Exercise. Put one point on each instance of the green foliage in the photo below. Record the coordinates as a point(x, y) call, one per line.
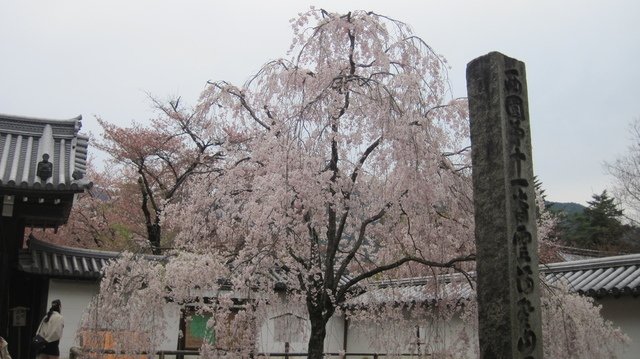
point(597, 227)
point(603, 213)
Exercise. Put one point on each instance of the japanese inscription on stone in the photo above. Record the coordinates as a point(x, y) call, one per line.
point(504, 200)
point(522, 238)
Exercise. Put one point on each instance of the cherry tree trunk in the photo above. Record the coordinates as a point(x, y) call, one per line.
point(154, 232)
point(318, 334)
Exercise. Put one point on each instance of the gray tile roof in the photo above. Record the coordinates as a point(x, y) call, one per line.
point(23, 142)
point(283, 277)
point(597, 277)
point(66, 262)
point(424, 290)
point(60, 261)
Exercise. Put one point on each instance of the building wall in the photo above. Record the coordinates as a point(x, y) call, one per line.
point(172, 332)
point(76, 295)
point(270, 343)
point(398, 336)
point(625, 313)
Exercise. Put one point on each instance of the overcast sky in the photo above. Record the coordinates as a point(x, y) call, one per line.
point(59, 59)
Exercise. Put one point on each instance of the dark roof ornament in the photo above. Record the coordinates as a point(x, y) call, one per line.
point(77, 175)
point(45, 168)
point(24, 142)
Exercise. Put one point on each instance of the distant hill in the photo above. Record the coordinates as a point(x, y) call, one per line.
point(569, 207)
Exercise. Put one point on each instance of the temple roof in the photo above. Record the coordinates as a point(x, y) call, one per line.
point(598, 277)
point(53, 260)
point(613, 276)
point(66, 262)
point(24, 141)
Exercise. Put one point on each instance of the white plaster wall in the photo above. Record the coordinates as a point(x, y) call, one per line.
point(335, 334)
point(172, 332)
point(333, 341)
point(625, 313)
point(365, 338)
point(75, 297)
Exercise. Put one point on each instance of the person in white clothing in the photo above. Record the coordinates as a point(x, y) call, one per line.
point(51, 330)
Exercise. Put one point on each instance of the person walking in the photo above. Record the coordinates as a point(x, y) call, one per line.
point(51, 330)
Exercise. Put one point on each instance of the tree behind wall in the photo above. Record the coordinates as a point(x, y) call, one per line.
point(106, 217)
point(177, 144)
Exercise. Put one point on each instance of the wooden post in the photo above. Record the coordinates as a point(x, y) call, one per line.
point(505, 212)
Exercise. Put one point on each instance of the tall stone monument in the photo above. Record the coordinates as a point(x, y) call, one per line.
point(508, 290)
